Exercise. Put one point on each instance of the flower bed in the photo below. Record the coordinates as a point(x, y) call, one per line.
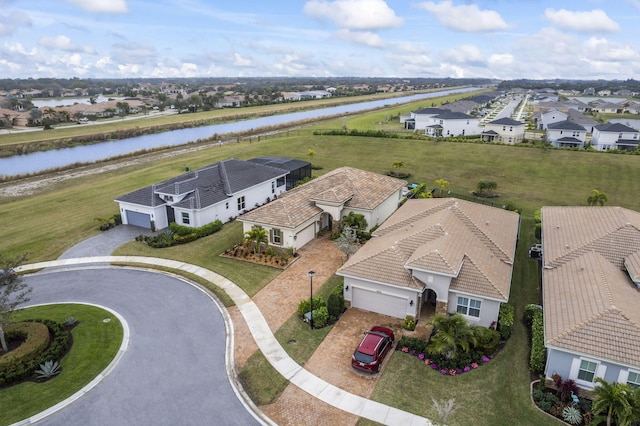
point(449, 367)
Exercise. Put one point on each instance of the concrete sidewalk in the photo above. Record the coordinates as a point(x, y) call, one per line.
point(266, 341)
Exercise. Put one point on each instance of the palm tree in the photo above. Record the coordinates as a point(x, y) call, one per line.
point(614, 399)
point(451, 335)
point(256, 236)
point(311, 153)
point(597, 198)
point(442, 184)
point(398, 164)
point(354, 220)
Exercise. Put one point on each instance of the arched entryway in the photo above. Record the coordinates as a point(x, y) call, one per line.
point(326, 222)
point(428, 308)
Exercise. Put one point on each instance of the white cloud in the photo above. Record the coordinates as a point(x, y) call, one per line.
point(467, 18)
point(11, 22)
point(354, 14)
point(593, 21)
point(102, 6)
point(360, 37)
point(240, 61)
point(63, 43)
point(18, 48)
point(602, 49)
point(132, 53)
point(500, 59)
point(104, 62)
point(465, 54)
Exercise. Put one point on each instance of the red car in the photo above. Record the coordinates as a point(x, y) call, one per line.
point(371, 351)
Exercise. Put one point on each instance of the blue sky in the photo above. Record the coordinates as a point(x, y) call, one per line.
point(503, 39)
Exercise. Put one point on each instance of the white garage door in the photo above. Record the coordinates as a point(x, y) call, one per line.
point(382, 303)
point(139, 219)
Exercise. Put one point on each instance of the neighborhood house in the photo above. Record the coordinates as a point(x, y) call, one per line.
point(441, 254)
point(220, 191)
point(298, 215)
point(591, 295)
point(505, 130)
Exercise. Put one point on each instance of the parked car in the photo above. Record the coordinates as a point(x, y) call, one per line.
point(371, 351)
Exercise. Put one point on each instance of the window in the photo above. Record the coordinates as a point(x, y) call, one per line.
point(226, 205)
point(587, 370)
point(276, 236)
point(468, 306)
point(185, 218)
point(241, 204)
point(634, 379)
point(280, 182)
point(273, 187)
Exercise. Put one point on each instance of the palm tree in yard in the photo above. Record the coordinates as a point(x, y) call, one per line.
point(451, 336)
point(256, 236)
point(615, 400)
point(597, 198)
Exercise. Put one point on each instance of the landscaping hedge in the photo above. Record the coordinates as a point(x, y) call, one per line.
point(180, 234)
point(19, 368)
point(538, 352)
point(505, 320)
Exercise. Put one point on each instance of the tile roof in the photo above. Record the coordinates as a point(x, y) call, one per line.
point(615, 127)
point(507, 122)
point(565, 125)
point(207, 186)
point(590, 303)
point(473, 243)
point(356, 188)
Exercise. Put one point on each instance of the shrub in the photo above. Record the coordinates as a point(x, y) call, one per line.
point(412, 343)
point(538, 354)
point(320, 317)
point(48, 369)
point(36, 340)
point(487, 340)
point(335, 303)
point(409, 323)
point(544, 400)
point(19, 369)
point(304, 306)
point(505, 320)
point(529, 312)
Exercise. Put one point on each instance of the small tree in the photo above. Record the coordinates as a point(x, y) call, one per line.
point(354, 220)
point(311, 153)
point(614, 400)
point(398, 164)
point(256, 236)
point(347, 241)
point(13, 293)
point(597, 198)
point(443, 184)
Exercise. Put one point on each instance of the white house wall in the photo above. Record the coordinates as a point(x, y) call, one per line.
point(406, 293)
point(565, 364)
point(158, 214)
point(516, 133)
point(489, 309)
point(438, 283)
point(607, 140)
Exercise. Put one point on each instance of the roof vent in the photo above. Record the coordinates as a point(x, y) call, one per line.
point(487, 222)
point(566, 246)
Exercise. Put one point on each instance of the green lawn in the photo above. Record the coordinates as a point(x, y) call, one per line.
point(95, 344)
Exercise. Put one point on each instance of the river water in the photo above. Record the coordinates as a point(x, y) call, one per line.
point(39, 161)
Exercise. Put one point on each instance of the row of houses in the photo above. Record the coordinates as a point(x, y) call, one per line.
point(441, 255)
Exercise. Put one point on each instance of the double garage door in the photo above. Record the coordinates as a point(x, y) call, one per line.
point(382, 303)
point(142, 220)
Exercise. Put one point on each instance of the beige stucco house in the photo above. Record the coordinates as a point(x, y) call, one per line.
point(454, 254)
point(296, 216)
point(591, 295)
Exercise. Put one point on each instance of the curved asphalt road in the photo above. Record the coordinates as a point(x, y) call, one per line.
point(173, 372)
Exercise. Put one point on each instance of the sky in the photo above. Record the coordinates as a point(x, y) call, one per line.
point(500, 39)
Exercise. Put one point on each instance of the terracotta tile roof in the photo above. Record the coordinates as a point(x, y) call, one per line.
point(357, 188)
point(446, 236)
point(590, 303)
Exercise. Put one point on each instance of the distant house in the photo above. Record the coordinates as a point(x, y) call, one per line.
point(298, 169)
point(551, 116)
point(296, 217)
point(441, 254)
point(566, 134)
point(614, 136)
point(220, 191)
point(448, 123)
point(591, 280)
point(505, 130)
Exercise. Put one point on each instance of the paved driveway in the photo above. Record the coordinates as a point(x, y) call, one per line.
point(173, 372)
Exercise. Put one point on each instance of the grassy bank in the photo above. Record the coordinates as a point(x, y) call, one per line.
point(95, 343)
